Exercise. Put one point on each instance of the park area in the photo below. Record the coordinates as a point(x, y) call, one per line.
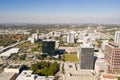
point(70, 57)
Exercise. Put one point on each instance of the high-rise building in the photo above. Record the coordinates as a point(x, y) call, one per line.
point(117, 37)
point(48, 47)
point(86, 56)
point(112, 56)
point(34, 37)
point(71, 37)
point(82, 36)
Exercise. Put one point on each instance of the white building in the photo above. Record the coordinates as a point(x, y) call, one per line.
point(57, 34)
point(117, 37)
point(27, 75)
point(34, 37)
point(7, 76)
point(71, 37)
point(10, 72)
point(82, 36)
point(13, 68)
point(105, 42)
point(8, 53)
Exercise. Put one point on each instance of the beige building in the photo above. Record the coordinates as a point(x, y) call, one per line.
point(108, 77)
point(73, 72)
point(112, 56)
point(101, 65)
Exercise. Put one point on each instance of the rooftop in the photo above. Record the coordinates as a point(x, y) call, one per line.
point(6, 75)
point(9, 52)
point(49, 40)
point(109, 76)
point(73, 72)
point(15, 66)
point(27, 75)
point(114, 44)
point(101, 62)
point(87, 45)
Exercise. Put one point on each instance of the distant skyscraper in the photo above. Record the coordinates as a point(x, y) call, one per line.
point(71, 37)
point(112, 56)
point(86, 56)
point(34, 38)
point(82, 36)
point(117, 37)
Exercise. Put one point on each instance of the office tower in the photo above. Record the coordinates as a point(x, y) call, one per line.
point(117, 37)
point(86, 56)
point(71, 37)
point(112, 56)
point(48, 47)
point(34, 38)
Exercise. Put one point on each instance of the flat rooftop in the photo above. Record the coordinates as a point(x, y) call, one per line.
point(27, 75)
point(9, 52)
point(73, 72)
point(14, 66)
point(6, 75)
point(70, 66)
point(108, 76)
point(49, 40)
point(86, 45)
point(101, 62)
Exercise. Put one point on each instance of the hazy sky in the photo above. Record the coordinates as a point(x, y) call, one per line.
point(59, 11)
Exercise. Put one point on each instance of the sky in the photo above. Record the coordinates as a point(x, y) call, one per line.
point(59, 11)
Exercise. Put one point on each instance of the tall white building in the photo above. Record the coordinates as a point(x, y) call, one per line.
point(82, 36)
point(34, 38)
point(71, 37)
point(117, 37)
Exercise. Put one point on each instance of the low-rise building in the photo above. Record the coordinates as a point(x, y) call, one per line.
point(11, 72)
point(108, 77)
point(8, 76)
point(8, 53)
point(13, 68)
point(73, 72)
point(101, 66)
point(28, 75)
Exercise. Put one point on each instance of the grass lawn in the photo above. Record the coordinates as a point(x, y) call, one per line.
point(70, 57)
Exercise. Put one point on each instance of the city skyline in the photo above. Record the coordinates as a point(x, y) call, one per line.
point(59, 11)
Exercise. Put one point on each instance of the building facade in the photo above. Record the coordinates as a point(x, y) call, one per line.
point(86, 57)
point(48, 47)
point(71, 37)
point(112, 56)
point(117, 37)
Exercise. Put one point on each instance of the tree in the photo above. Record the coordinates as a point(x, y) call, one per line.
point(22, 57)
point(45, 68)
point(118, 78)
